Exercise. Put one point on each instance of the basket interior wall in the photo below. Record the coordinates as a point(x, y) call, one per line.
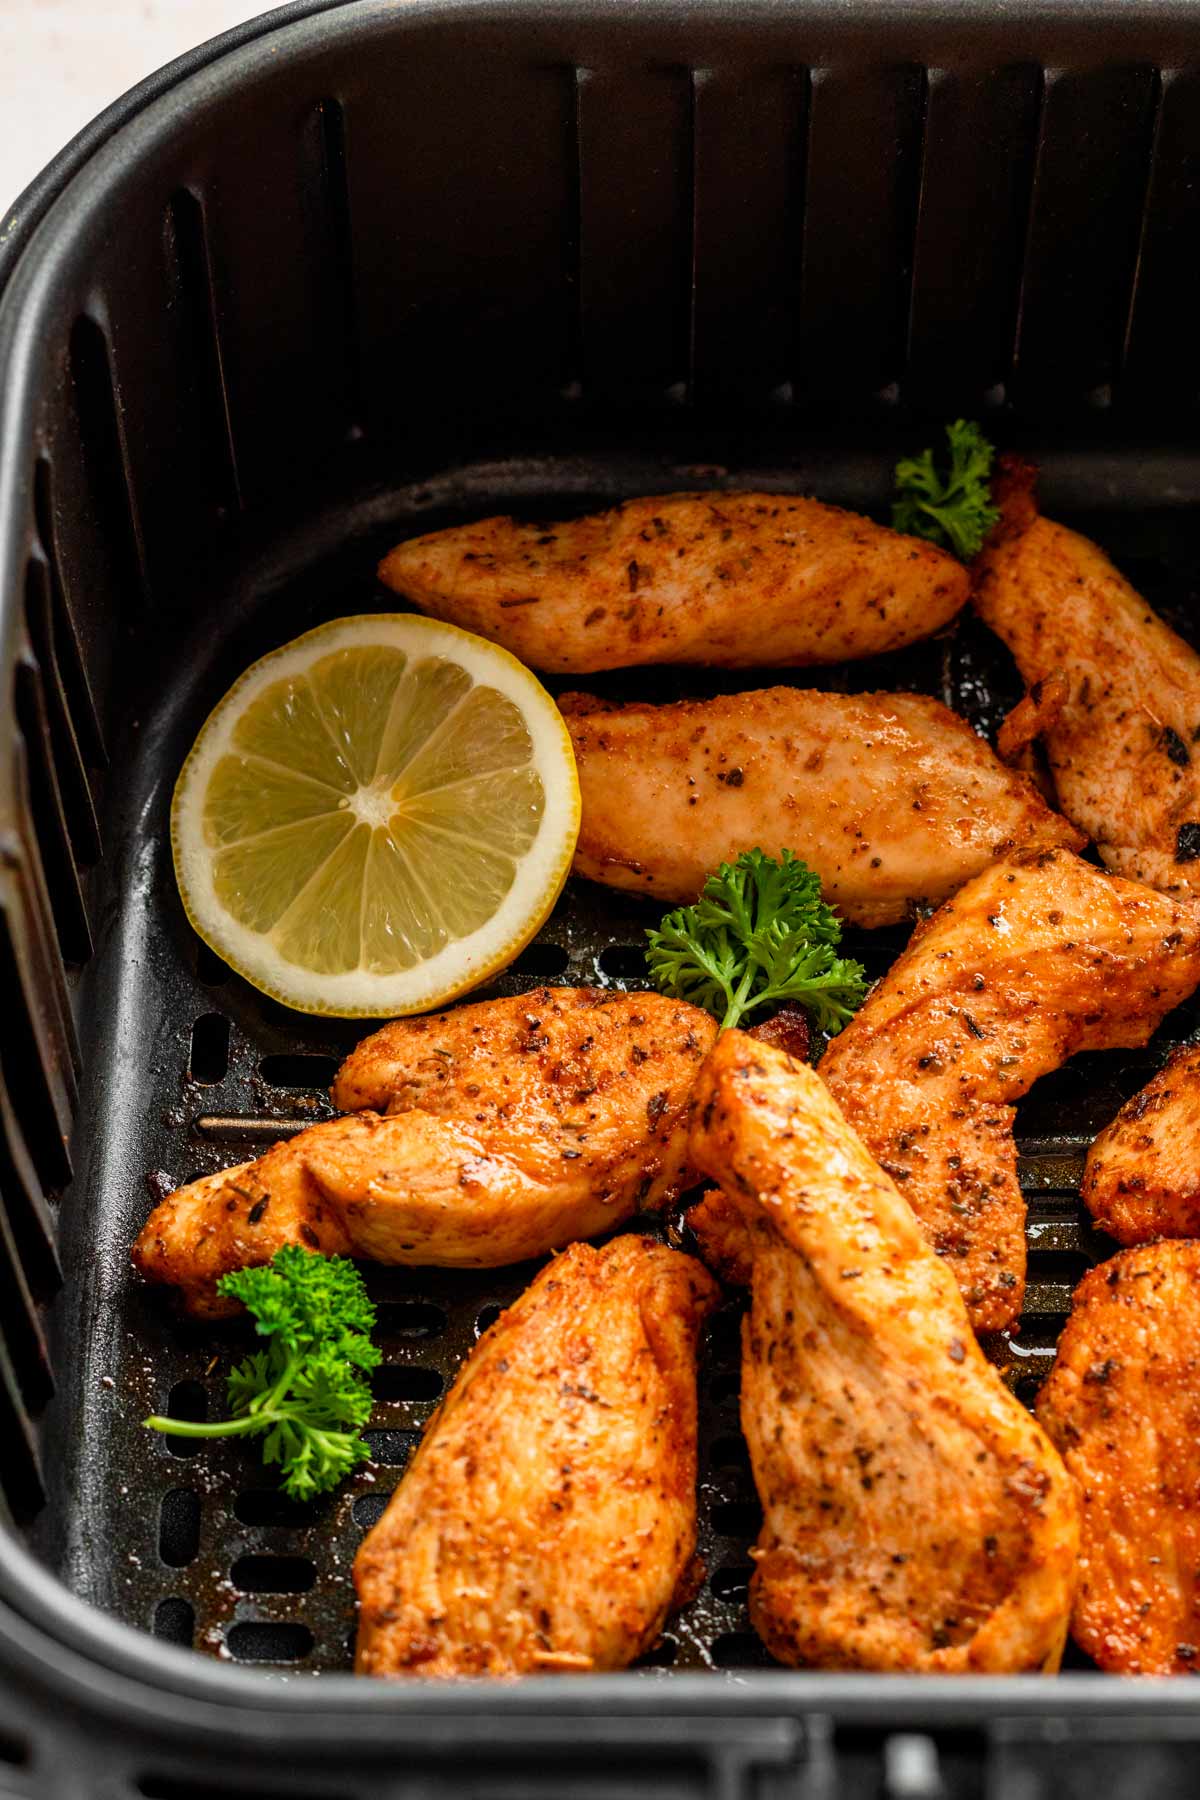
point(387, 276)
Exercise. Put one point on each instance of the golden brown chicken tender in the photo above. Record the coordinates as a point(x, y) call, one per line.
point(731, 580)
point(1124, 737)
point(891, 798)
point(1142, 1176)
point(1123, 1405)
point(916, 1519)
point(1035, 960)
point(548, 1519)
point(512, 1127)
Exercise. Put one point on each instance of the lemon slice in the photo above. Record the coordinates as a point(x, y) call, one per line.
point(376, 817)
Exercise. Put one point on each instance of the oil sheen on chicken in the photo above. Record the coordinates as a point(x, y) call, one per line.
point(1142, 1177)
point(1123, 1405)
point(731, 580)
point(891, 798)
point(916, 1518)
point(495, 1132)
point(548, 1520)
point(1033, 961)
point(1118, 690)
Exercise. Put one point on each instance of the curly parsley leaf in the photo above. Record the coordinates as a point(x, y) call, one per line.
point(304, 1394)
point(952, 508)
point(759, 934)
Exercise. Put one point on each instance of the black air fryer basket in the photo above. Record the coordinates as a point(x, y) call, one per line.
point(362, 270)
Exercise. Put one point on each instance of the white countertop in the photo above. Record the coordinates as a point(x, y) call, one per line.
point(65, 60)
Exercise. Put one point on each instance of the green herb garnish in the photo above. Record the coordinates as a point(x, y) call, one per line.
point(760, 933)
point(952, 509)
point(305, 1392)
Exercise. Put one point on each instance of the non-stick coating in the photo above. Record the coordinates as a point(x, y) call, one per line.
point(202, 1071)
point(387, 266)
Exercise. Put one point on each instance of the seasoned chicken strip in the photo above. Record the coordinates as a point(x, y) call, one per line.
point(1036, 959)
point(735, 580)
point(548, 1519)
point(916, 1519)
point(1142, 1176)
point(1123, 745)
point(1123, 1405)
point(1032, 718)
point(241, 1217)
point(720, 1229)
point(513, 1127)
point(891, 798)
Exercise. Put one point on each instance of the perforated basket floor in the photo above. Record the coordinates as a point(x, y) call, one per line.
point(196, 1071)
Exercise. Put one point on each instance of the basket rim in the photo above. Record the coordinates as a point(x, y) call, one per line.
point(25, 213)
point(62, 1652)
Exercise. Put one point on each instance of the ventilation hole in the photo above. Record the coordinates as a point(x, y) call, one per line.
point(368, 1509)
point(271, 1641)
point(1028, 1387)
point(179, 1527)
point(396, 1382)
point(623, 962)
point(73, 782)
point(206, 420)
point(740, 1650)
point(339, 263)
point(391, 1448)
point(298, 1071)
point(13, 1750)
point(71, 658)
point(736, 1518)
point(209, 1060)
point(732, 1582)
point(209, 967)
point(21, 1482)
point(725, 1335)
point(117, 541)
point(725, 1387)
point(18, 1309)
point(543, 961)
point(273, 1574)
point(175, 1621)
point(730, 1453)
point(268, 1506)
point(660, 1657)
point(187, 1401)
point(410, 1319)
point(1065, 1267)
point(35, 1083)
point(487, 1317)
point(49, 817)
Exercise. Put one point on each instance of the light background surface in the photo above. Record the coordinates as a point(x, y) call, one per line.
point(65, 60)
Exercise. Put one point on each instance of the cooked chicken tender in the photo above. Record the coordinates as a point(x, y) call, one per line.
point(1142, 1176)
point(1123, 1405)
point(731, 580)
point(891, 798)
point(916, 1518)
point(1123, 745)
point(548, 1520)
point(239, 1218)
point(512, 1127)
point(1034, 960)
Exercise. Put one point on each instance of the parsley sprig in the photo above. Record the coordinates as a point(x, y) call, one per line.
point(954, 508)
point(760, 933)
point(304, 1394)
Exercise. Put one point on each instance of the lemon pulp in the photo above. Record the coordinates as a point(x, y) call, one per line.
point(376, 816)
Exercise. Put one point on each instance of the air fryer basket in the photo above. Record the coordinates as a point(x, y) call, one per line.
point(368, 269)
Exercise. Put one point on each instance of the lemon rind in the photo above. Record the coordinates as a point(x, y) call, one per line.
point(463, 964)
